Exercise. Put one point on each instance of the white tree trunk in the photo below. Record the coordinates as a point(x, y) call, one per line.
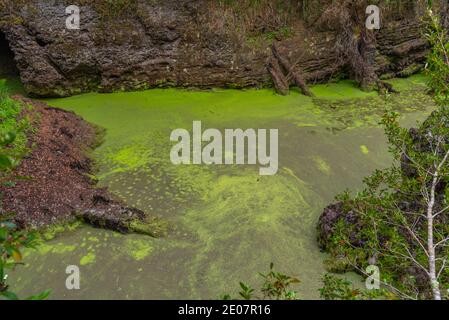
point(430, 241)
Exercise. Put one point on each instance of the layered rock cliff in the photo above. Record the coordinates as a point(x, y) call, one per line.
point(137, 44)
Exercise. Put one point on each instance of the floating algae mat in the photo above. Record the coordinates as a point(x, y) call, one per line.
point(225, 223)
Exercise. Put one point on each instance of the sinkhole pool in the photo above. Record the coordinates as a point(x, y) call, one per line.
point(224, 223)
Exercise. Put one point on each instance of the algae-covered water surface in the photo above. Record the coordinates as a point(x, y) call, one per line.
point(224, 223)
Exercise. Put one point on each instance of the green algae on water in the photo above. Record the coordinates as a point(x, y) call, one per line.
point(58, 248)
point(52, 231)
point(138, 249)
point(88, 259)
point(364, 149)
point(227, 223)
point(322, 165)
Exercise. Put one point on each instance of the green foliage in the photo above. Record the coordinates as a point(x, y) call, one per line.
point(6, 160)
point(338, 289)
point(335, 288)
point(12, 239)
point(387, 221)
point(275, 286)
point(246, 291)
point(111, 9)
point(13, 129)
point(280, 34)
point(387, 216)
point(438, 59)
point(255, 21)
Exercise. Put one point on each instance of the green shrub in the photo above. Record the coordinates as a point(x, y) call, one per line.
point(12, 239)
point(13, 122)
point(400, 220)
point(275, 286)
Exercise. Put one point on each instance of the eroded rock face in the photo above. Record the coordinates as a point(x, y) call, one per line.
point(175, 43)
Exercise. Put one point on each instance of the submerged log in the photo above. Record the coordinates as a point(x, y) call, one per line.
point(299, 80)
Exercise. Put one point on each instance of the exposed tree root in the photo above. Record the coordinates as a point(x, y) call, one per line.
point(289, 69)
point(279, 80)
point(356, 45)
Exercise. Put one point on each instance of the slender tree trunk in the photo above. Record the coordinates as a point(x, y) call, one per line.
point(430, 241)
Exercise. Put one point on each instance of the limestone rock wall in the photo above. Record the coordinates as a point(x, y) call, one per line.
point(175, 43)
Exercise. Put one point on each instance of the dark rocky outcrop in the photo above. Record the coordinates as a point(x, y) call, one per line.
point(327, 221)
point(181, 43)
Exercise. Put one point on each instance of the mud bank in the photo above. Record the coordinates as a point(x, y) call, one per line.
point(53, 183)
